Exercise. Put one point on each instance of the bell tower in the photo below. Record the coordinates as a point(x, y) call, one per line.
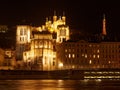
point(54, 17)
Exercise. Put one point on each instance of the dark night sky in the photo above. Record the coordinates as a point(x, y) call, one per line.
point(84, 15)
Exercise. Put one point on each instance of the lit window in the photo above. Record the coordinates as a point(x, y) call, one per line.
point(65, 50)
point(36, 44)
point(73, 66)
point(82, 54)
point(85, 55)
point(45, 44)
point(69, 55)
point(109, 62)
point(50, 45)
point(90, 45)
point(90, 61)
point(25, 32)
point(21, 32)
point(73, 55)
point(98, 51)
point(60, 65)
point(94, 56)
point(98, 56)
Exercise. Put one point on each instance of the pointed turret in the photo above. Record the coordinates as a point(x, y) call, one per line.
point(63, 17)
point(46, 19)
point(54, 17)
point(104, 26)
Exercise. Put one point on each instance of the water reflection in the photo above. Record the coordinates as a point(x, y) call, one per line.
point(58, 85)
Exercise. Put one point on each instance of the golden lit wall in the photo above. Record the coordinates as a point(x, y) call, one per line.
point(23, 34)
point(41, 52)
point(22, 39)
point(1, 56)
point(62, 34)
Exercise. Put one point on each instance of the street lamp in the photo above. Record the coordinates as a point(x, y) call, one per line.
point(60, 65)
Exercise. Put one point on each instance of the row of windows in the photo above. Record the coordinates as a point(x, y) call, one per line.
point(90, 62)
point(82, 55)
point(23, 31)
point(23, 39)
point(81, 50)
point(93, 50)
point(73, 55)
point(41, 44)
point(93, 46)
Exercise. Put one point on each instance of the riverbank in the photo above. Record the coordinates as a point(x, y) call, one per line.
point(109, 74)
point(30, 74)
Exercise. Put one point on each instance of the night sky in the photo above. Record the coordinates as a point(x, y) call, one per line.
point(83, 15)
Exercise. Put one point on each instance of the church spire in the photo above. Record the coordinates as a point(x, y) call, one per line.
point(104, 26)
point(64, 18)
point(54, 17)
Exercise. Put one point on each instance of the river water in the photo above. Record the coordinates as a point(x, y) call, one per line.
point(59, 85)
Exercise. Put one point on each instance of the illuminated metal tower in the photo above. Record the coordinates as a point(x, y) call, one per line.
point(104, 26)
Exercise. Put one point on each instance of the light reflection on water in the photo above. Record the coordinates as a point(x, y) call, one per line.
point(58, 85)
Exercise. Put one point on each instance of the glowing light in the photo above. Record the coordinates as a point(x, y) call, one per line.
point(98, 51)
point(65, 50)
point(60, 65)
point(90, 62)
point(98, 56)
point(73, 66)
point(94, 56)
point(85, 55)
point(82, 54)
point(69, 55)
point(73, 55)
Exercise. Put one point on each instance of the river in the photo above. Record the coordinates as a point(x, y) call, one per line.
point(59, 85)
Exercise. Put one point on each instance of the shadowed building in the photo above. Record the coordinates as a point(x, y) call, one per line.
point(88, 55)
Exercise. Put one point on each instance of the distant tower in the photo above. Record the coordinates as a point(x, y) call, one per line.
point(22, 40)
point(104, 26)
point(46, 19)
point(54, 17)
point(64, 18)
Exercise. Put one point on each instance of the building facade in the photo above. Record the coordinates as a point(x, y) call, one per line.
point(23, 39)
point(7, 59)
point(87, 55)
point(36, 46)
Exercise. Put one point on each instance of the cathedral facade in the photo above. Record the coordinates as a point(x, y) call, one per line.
point(36, 46)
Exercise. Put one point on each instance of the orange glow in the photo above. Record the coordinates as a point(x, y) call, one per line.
point(104, 26)
point(60, 65)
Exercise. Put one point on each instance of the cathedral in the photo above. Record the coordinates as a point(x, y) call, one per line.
point(36, 46)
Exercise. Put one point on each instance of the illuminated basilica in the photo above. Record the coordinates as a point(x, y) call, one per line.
point(36, 46)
